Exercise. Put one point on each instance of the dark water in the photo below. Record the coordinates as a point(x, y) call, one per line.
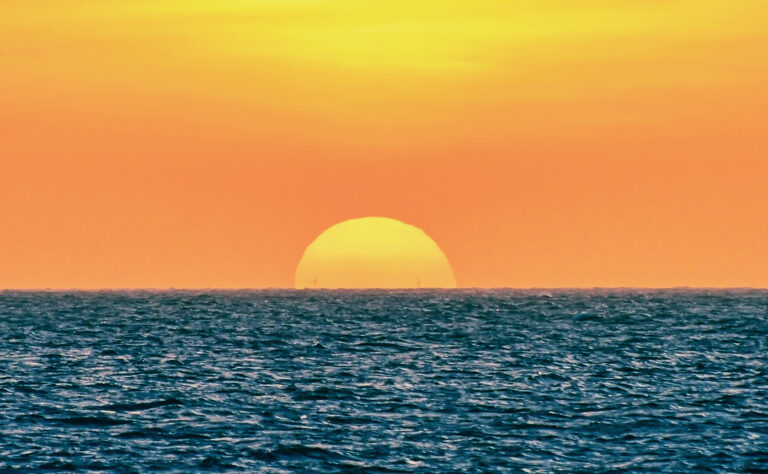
point(384, 382)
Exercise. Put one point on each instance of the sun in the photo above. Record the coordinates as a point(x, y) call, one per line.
point(374, 252)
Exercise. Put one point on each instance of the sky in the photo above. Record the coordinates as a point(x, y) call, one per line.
point(205, 144)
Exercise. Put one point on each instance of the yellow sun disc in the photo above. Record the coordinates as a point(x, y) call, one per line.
point(374, 252)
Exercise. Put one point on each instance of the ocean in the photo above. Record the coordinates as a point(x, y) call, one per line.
point(384, 381)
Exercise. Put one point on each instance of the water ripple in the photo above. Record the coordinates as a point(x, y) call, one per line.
point(373, 381)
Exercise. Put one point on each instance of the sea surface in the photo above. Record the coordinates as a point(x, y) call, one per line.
point(376, 381)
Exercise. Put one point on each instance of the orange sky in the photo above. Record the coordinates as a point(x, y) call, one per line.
point(205, 143)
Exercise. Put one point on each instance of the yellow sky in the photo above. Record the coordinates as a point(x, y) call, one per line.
point(540, 143)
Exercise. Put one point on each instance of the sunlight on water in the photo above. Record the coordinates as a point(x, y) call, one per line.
point(389, 381)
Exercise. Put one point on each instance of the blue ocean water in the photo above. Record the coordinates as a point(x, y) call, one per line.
point(374, 381)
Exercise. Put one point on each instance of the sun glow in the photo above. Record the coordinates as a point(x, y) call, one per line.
point(374, 252)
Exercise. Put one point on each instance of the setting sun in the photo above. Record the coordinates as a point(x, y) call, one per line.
point(374, 252)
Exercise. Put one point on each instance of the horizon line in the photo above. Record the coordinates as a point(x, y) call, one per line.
point(286, 288)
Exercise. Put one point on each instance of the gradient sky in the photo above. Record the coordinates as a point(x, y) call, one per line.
point(206, 143)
